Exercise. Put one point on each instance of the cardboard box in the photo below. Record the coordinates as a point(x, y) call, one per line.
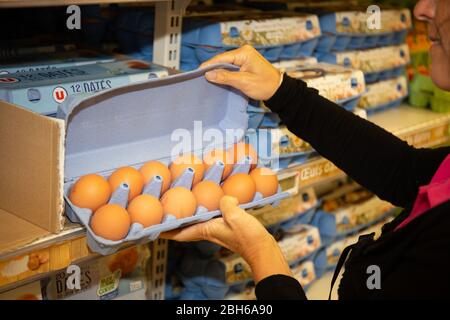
point(384, 92)
point(121, 276)
point(42, 91)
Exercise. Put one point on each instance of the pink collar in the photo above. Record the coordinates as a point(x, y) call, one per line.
point(433, 194)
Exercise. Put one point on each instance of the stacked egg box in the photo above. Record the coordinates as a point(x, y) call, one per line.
point(311, 241)
point(276, 38)
point(208, 272)
point(381, 54)
point(343, 85)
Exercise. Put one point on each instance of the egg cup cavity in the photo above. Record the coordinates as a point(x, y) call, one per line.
point(154, 186)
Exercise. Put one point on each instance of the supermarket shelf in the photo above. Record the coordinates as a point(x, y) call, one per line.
point(57, 251)
point(54, 3)
point(420, 128)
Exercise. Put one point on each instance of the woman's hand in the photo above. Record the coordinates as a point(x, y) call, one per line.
point(257, 78)
point(239, 232)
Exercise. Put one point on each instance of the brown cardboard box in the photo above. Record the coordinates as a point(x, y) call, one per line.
point(31, 176)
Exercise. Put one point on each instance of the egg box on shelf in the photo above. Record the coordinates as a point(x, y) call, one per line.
point(64, 59)
point(17, 52)
point(297, 209)
point(351, 30)
point(305, 274)
point(349, 210)
point(383, 95)
point(286, 65)
point(43, 90)
point(377, 64)
point(283, 149)
point(339, 84)
point(120, 276)
point(298, 244)
point(273, 36)
point(334, 250)
point(248, 293)
point(102, 136)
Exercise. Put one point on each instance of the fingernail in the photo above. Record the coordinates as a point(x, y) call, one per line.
point(211, 75)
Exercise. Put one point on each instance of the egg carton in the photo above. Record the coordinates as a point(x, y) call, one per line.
point(134, 30)
point(343, 85)
point(377, 64)
point(43, 90)
point(297, 209)
point(275, 38)
point(40, 62)
point(298, 247)
point(334, 250)
point(351, 219)
point(349, 30)
point(384, 95)
point(102, 136)
point(305, 272)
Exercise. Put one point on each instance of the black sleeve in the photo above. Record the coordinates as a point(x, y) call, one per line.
point(373, 157)
point(279, 287)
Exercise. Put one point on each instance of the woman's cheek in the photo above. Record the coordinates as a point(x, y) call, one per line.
point(440, 67)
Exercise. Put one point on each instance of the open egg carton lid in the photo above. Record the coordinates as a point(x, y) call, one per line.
point(145, 121)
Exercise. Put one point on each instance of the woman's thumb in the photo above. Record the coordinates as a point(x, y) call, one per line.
point(230, 210)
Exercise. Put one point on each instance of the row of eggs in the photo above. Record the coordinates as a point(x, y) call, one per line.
point(112, 221)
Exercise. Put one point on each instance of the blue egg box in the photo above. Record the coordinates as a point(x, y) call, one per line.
point(369, 77)
point(386, 106)
point(330, 42)
point(262, 140)
point(384, 75)
point(133, 124)
point(193, 55)
point(262, 118)
point(333, 40)
point(134, 31)
point(207, 279)
point(207, 31)
point(326, 222)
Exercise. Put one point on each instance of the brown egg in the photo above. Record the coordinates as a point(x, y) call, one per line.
point(156, 168)
point(266, 181)
point(131, 177)
point(111, 222)
point(179, 202)
point(241, 150)
point(211, 158)
point(90, 191)
point(146, 210)
point(208, 194)
point(240, 186)
point(183, 162)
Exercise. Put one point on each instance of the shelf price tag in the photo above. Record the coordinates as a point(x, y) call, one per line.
point(428, 138)
point(318, 170)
